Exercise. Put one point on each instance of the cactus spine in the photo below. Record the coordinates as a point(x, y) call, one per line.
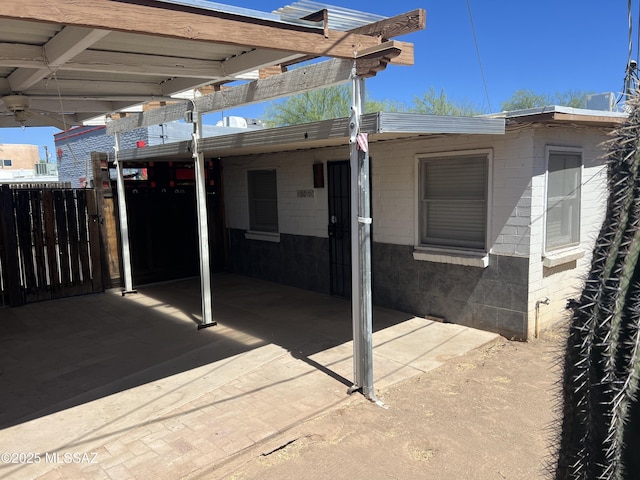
point(600, 434)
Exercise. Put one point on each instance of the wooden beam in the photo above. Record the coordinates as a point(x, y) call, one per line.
point(190, 24)
point(61, 48)
point(96, 89)
point(300, 80)
point(257, 59)
point(396, 26)
point(403, 24)
point(156, 116)
point(96, 106)
point(138, 64)
point(31, 56)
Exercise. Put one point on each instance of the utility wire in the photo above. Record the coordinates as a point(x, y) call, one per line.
point(475, 41)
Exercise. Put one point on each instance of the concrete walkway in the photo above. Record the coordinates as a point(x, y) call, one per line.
point(112, 387)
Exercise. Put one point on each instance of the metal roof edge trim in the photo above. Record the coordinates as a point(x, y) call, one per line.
point(243, 12)
point(371, 123)
point(527, 112)
point(423, 124)
point(157, 152)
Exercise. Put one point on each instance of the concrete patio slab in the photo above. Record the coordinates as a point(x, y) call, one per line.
point(112, 387)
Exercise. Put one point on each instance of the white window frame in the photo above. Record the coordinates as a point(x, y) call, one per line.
point(6, 163)
point(459, 255)
point(571, 251)
point(254, 233)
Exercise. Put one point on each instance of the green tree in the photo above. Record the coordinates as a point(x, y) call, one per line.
point(523, 99)
point(335, 102)
point(313, 106)
point(322, 104)
point(433, 103)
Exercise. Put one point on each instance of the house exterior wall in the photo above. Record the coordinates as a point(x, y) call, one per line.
point(556, 284)
point(492, 298)
point(502, 297)
point(23, 157)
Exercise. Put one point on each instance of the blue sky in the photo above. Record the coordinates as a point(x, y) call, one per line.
point(547, 46)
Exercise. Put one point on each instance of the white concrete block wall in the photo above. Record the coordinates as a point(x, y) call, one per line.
point(560, 284)
point(394, 197)
point(296, 215)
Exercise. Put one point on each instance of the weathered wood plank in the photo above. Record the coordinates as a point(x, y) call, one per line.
point(63, 243)
point(74, 243)
point(11, 266)
point(39, 247)
point(300, 80)
point(24, 228)
point(50, 240)
point(83, 242)
point(94, 241)
point(396, 26)
point(105, 219)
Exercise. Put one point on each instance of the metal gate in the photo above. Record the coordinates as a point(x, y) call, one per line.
point(49, 244)
point(339, 182)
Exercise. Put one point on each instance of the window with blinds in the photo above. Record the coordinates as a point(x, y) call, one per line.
point(263, 200)
point(564, 174)
point(453, 207)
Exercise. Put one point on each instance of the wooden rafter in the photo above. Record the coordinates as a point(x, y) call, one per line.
point(61, 48)
point(330, 72)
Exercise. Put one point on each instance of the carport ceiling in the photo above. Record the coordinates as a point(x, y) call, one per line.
point(63, 62)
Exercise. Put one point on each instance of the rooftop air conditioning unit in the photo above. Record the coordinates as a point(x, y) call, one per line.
point(602, 101)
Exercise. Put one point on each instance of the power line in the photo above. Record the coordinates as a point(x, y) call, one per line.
point(475, 41)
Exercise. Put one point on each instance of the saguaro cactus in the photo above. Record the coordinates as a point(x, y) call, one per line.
point(600, 435)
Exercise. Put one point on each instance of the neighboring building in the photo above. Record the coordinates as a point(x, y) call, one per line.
point(74, 147)
point(21, 164)
point(482, 228)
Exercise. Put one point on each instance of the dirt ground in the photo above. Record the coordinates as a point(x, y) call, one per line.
point(486, 415)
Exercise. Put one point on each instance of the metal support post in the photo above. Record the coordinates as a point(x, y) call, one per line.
point(361, 305)
point(124, 223)
point(203, 226)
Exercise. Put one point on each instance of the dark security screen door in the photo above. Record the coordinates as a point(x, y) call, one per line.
point(338, 174)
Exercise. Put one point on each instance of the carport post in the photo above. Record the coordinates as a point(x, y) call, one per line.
point(203, 227)
point(360, 248)
point(124, 222)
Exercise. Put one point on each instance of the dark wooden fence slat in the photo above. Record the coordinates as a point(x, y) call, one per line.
point(11, 266)
point(74, 247)
point(43, 292)
point(94, 240)
point(63, 242)
point(50, 239)
point(83, 241)
point(25, 244)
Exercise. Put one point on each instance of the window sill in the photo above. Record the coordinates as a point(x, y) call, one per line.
point(467, 258)
point(262, 236)
point(560, 257)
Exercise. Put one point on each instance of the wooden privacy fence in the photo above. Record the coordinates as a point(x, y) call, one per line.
point(49, 244)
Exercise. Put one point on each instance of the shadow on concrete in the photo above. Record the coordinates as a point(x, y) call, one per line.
point(58, 354)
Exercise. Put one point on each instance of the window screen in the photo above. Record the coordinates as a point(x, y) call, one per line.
point(263, 200)
point(454, 201)
point(563, 200)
